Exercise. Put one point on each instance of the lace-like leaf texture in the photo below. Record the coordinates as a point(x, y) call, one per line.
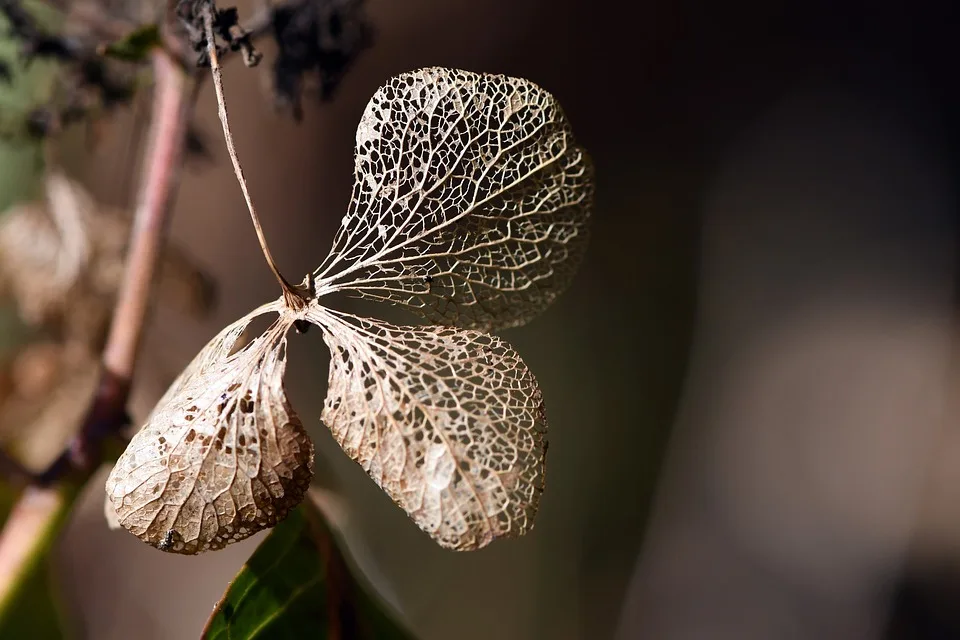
point(470, 209)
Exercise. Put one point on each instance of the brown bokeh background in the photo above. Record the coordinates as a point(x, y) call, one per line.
point(749, 386)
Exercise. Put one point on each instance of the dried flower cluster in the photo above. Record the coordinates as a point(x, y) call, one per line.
point(470, 208)
point(316, 40)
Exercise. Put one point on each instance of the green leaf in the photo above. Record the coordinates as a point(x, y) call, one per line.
point(297, 584)
point(136, 45)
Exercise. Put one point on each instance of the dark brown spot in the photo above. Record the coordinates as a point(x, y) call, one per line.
point(222, 433)
point(191, 435)
point(161, 439)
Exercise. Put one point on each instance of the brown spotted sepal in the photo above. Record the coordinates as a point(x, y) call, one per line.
point(223, 455)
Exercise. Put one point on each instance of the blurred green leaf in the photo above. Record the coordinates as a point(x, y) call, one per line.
point(136, 45)
point(30, 609)
point(297, 584)
point(29, 86)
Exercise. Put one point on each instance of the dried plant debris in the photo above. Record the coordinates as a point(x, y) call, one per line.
point(103, 44)
point(470, 208)
point(318, 39)
point(87, 84)
point(226, 27)
point(61, 262)
point(317, 42)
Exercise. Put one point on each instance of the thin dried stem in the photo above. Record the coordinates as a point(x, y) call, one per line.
point(290, 293)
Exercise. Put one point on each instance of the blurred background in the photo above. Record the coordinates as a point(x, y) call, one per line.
point(751, 385)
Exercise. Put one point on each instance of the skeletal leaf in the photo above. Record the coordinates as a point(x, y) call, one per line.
point(470, 203)
point(223, 455)
point(448, 422)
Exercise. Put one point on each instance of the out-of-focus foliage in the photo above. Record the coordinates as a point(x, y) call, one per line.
point(31, 607)
point(46, 389)
point(136, 45)
point(23, 86)
point(61, 261)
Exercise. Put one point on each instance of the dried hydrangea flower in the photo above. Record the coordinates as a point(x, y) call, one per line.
point(470, 208)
